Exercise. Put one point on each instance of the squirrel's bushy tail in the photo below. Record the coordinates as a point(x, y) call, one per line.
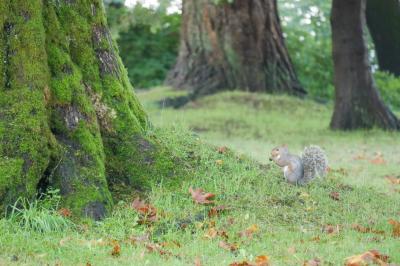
point(315, 162)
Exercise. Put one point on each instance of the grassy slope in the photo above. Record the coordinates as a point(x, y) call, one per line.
point(288, 217)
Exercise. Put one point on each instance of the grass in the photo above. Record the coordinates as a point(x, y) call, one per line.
point(292, 221)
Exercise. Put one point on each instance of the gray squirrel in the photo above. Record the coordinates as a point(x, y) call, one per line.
point(300, 170)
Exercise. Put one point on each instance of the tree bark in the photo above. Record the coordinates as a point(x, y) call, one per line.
point(68, 116)
point(236, 45)
point(383, 19)
point(357, 103)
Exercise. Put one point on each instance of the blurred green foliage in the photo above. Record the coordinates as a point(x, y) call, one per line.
point(308, 37)
point(148, 41)
point(389, 87)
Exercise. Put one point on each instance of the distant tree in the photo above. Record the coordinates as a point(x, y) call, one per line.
point(233, 45)
point(383, 19)
point(357, 103)
point(69, 118)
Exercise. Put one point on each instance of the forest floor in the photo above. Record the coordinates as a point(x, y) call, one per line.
point(255, 213)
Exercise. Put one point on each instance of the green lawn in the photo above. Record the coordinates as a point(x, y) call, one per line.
point(293, 224)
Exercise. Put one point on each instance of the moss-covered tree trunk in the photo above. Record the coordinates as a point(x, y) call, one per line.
point(383, 19)
point(236, 45)
point(357, 103)
point(68, 115)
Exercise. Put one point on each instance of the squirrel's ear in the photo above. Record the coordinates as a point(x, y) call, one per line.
point(284, 145)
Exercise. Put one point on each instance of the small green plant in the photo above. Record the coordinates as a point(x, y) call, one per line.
point(39, 215)
point(389, 87)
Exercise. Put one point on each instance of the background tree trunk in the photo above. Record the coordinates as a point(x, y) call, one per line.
point(383, 19)
point(68, 115)
point(235, 45)
point(357, 103)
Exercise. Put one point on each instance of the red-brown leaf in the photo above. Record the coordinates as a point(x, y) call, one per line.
point(116, 251)
point(227, 246)
point(372, 256)
point(249, 231)
point(201, 197)
point(395, 227)
point(148, 212)
point(334, 195)
point(65, 212)
point(214, 211)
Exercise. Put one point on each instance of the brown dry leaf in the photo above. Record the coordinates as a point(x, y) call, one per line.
point(331, 229)
point(363, 229)
point(148, 213)
point(395, 228)
point(152, 247)
point(201, 197)
point(222, 149)
point(249, 231)
point(217, 210)
point(213, 233)
point(262, 260)
point(372, 256)
point(334, 195)
point(227, 246)
point(116, 251)
point(313, 262)
point(378, 159)
point(393, 179)
point(65, 212)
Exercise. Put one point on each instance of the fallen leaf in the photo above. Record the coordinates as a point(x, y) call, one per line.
point(363, 229)
point(227, 246)
point(201, 197)
point(148, 213)
point(331, 229)
point(313, 262)
point(213, 233)
point(393, 179)
point(249, 231)
point(262, 260)
point(372, 256)
point(217, 210)
point(65, 212)
point(116, 251)
point(395, 228)
point(222, 149)
point(378, 159)
point(152, 247)
point(334, 195)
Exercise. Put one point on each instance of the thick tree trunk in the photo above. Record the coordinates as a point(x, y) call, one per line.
point(383, 19)
point(357, 103)
point(68, 115)
point(236, 45)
